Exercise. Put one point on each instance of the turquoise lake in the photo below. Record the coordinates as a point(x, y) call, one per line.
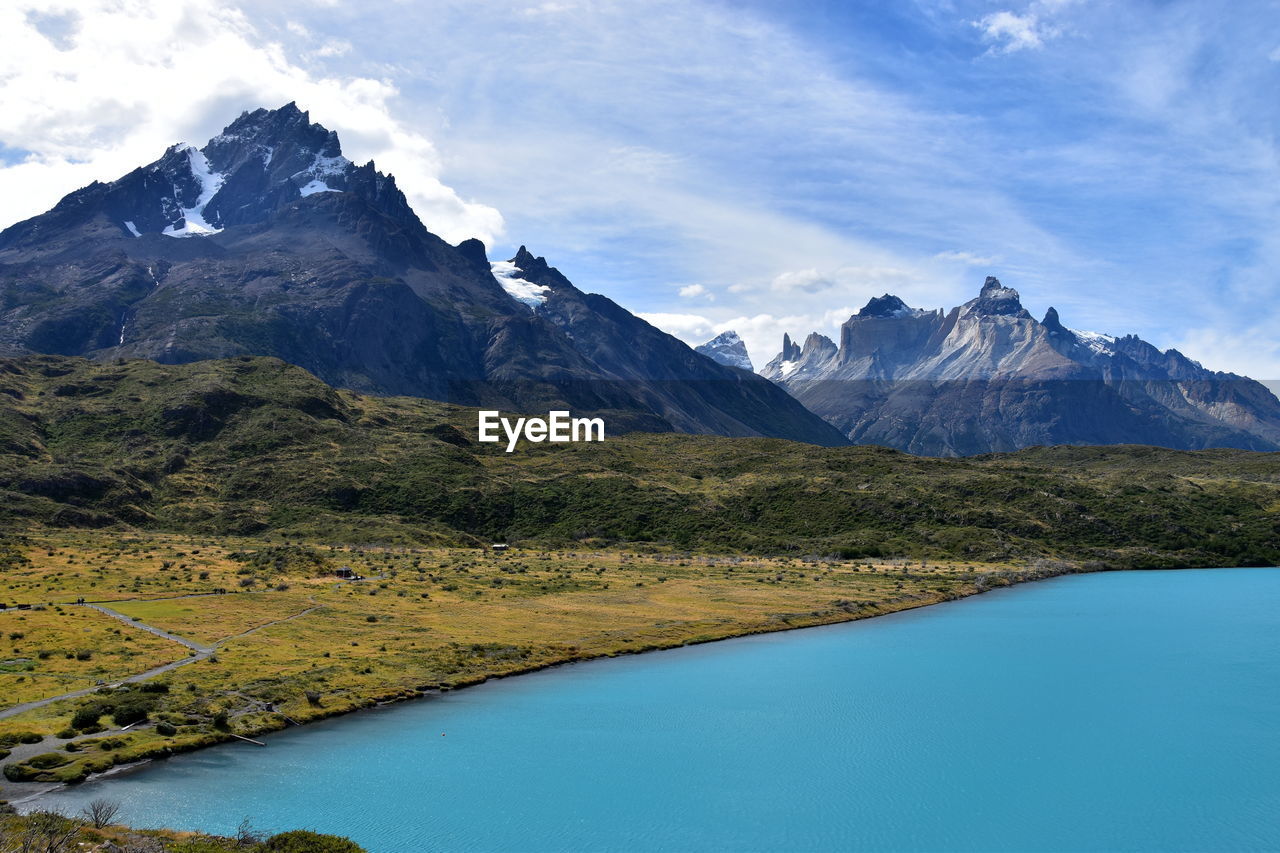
point(1119, 711)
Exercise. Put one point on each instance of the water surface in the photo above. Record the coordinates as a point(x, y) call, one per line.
point(1121, 711)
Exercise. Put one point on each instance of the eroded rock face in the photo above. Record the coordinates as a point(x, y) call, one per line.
point(267, 241)
point(986, 376)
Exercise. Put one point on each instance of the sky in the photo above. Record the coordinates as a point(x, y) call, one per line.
point(765, 167)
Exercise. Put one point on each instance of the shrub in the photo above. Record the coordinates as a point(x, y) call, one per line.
point(84, 654)
point(133, 712)
point(86, 718)
point(305, 841)
point(20, 737)
point(166, 729)
point(48, 760)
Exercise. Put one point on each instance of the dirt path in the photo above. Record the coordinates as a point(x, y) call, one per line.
point(200, 653)
point(159, 632)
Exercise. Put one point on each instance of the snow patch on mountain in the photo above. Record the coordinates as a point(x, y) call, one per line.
point(316, 186)
point(194, 224)
point(133, 229)
point(323, 171)
point(1096, 341)
point(507, 274)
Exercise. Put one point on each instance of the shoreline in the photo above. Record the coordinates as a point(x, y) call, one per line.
point(23, 793)
point(26, 793)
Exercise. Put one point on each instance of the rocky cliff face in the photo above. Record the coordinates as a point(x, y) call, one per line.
point(986, 376)
point(267, 241)
point(727, 349)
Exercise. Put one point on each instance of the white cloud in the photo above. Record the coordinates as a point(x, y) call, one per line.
point(692, 291)
point(94, 88)
point(333, 47)
point(809, 281)
point(693, 329)
point(967, 258)
point(1011, 32)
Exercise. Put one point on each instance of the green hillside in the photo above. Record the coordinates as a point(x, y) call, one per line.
point(252, 446)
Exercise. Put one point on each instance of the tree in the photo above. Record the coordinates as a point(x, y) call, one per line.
point(101, 812)
point(39, 832)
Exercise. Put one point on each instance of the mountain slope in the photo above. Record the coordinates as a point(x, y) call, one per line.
point(267, 241)
point(249, 445)
point(986, 376)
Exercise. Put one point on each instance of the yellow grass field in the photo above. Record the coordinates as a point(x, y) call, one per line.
point(288, 641)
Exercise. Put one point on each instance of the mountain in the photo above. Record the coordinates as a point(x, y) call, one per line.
point(728, 349)
point(268, 241)
point(251, 445)
point(987, 376)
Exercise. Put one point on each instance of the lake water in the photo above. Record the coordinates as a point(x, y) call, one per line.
point(1123, 711)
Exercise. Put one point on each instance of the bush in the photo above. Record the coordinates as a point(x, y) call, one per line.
point(166, 729)
point(86, 718)
point(48, 760)
point(133, 712)
point(20, 737)
point(66, 734)
point(305, 841)
point(84, 654)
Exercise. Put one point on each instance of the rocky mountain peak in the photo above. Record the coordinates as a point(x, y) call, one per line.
point(790, 350)
point(728, 349)
point(474, 252)
point(537, 270)
point(885, 306)
point(996, 300)
point(1053, 324)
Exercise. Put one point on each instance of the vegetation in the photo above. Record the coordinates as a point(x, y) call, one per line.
point(217, 503)
point(252, 446)
point(45, 831)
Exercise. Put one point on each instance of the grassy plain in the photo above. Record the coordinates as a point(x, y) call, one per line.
point(301, 644)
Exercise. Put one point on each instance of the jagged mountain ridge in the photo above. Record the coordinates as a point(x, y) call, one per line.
point(986, 377)
point(268, 241)
point(728, 349)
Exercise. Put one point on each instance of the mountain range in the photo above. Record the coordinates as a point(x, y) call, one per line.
point(986, 377)
point(268, 241)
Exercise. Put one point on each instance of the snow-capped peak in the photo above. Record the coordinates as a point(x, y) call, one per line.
point(1096, 341)
point(728, 349)
point(193, 221)
point(507, 274)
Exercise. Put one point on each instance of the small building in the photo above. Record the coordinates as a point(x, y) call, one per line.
point(499, 546)
point(346, 572)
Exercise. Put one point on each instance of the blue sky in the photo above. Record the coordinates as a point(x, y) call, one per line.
point(768, 166)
